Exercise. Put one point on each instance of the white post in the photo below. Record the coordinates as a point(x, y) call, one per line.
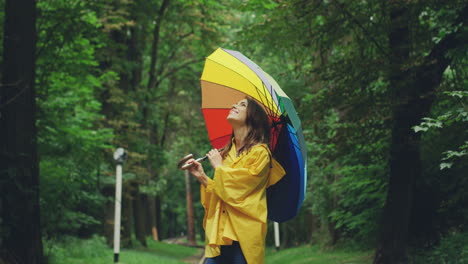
point(277, 235)
point(118, 206)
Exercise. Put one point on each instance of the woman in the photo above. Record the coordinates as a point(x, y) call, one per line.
point(235, 205)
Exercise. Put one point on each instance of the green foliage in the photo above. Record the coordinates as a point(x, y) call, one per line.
point(330, 57)
point(452, 248)
point(362, 190)
point(69, 201)
point(156, 121)
point(74, 248)
point(443, 186)
point(458, 114)
point(338, 51)
point(71, 137)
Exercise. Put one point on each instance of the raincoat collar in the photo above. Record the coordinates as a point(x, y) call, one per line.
point(276, 170)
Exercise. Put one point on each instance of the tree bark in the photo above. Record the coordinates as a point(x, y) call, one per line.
point(158, 216)
point(127, 213)
point(151, 202)
point(152, 218)
point(108, 215)
point(139, 216)
point(312, 225)
point(147, 113)
point(20, 233)
point(414, 90)
point(404, 152)
point(154, 47)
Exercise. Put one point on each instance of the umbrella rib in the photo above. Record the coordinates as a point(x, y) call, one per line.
point(298, 145)
point(265, 103)
point(268, 110)
point(258, 71)
point(265, 89)
point(239, 74)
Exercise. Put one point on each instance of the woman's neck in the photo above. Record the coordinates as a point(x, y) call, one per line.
point(240, 133)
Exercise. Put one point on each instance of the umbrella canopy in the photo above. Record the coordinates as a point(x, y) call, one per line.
point(229, 76)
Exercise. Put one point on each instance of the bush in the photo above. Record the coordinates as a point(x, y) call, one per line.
point(57, 251)
point(452, 249)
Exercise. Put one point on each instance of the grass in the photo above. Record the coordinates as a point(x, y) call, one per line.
point(95, 251)
point(316, 255)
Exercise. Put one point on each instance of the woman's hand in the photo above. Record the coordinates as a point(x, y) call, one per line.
point(197, 170)
point(215, 158)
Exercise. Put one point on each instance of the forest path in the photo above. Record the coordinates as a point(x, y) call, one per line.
point(182, 240)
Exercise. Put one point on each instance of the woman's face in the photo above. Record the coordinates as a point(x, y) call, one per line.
point(238, 112)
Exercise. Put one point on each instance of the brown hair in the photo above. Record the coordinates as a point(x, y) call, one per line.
point(259, 128)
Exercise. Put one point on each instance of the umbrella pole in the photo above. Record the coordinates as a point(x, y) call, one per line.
point(277, 235)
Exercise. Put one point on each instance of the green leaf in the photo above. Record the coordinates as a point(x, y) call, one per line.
point(445, 165)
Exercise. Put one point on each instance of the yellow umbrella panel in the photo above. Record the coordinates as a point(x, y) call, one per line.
point(228, 72)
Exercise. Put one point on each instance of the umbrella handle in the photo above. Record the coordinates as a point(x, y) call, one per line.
point(182, 162)
point(183, 165)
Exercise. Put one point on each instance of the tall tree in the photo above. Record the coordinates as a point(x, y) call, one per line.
point(20, 237)
point(152, 129)
point(413, 88)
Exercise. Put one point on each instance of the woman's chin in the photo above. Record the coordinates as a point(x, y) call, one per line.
point(232, 120)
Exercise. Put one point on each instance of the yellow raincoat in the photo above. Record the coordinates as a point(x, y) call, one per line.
point(235, 202)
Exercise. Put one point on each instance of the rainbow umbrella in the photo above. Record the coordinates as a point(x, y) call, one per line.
point(229, 76)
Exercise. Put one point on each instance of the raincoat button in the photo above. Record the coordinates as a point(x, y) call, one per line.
point(224, 211)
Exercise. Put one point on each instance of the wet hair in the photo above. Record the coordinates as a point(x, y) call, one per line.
point(258, 124)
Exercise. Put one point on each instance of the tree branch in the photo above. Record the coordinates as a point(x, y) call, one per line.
point(439, 51)
point(154, 47)
point(173, 52)
point(175, 70)
point(364, 30)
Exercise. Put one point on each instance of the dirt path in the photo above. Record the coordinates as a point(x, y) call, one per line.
point(196, 259)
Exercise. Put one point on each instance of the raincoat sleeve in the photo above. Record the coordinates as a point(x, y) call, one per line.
point(205, 193)
point(244, 186)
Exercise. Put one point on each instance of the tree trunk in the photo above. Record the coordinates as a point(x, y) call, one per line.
point(150, 201)
point(413, 96)
point(312, 224)
point(139, 217)
point(158, 216)
point(127, 216)
point(108, 215)
point(154, 47)
point(404, 152)
point(134, 53)
point(20, 233)
point(152, 218)
point(147, 115)
point(190, 213)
